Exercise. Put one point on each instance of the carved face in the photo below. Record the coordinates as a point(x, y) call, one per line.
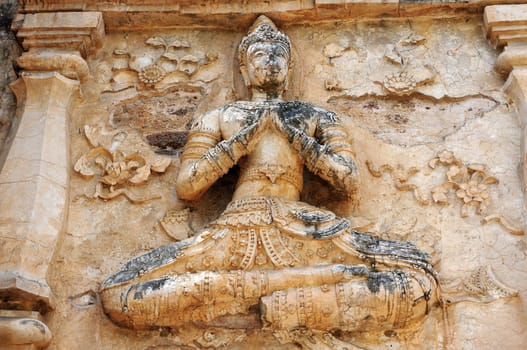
point(267, 66)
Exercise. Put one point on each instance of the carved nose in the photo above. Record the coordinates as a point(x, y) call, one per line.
point(272, 63)
point(271, 59)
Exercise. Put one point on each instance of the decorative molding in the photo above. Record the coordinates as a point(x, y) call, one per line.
point(506, 27)
point(23, 330)
point(225, 14)
point(79, 31)
point(59, 41)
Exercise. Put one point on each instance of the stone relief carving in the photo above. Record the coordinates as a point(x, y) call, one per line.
point(408, 90)
point(162, 118)
point(406, 54)
point(481, 286)
point(176, 224)
point(174, 63)
point(400, 179)
point(270, 261)
point(470, 183)
point(408, 57)
point(217, 338)
point(467, 182)
point(314, 340)
point(114, 169)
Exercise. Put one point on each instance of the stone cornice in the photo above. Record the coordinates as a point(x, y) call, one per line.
point(59, 41)
point(506, 28)
point(231, 14)
point(79, 31)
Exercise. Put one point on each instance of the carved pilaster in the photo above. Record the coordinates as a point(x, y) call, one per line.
point(506, 27)
point(35, 176)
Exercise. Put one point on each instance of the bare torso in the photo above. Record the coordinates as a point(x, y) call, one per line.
point(273, 168)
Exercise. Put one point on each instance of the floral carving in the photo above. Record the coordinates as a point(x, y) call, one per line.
point(151, 74)
point(413, 72)
point(400, 178)
point(114, 169)
point(481, 286)
point(469, 183)
point(147, 69)
point(400, 83)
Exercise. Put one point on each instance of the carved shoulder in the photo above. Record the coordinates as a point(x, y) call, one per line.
point(208, 123)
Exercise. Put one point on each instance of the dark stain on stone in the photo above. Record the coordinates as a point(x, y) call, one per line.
point(146, 262)
point(169, 142)
point(149, 286)
point(390, 333)
point(378, 280)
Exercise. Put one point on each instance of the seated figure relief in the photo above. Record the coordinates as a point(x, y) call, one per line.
point(271, 261)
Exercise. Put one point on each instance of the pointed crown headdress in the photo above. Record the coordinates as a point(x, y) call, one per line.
point(263, 30)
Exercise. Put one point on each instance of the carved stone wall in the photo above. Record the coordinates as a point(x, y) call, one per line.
point(10, 51)
point(437, 140)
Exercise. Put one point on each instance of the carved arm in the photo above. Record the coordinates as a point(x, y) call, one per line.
point(206, 157)
point(328, 154)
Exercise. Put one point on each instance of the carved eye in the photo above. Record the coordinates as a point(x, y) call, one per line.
point(259, 54)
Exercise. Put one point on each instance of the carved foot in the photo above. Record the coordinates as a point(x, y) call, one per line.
point(314, 340)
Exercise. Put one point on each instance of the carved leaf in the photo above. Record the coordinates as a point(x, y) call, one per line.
point(211, 57)
point(133, 165)
point(118, 52)
point(504, 223)
point(156, 41)
point(392, 55)
point(124, 79)
point(179, 43)
point(414, 39)
point(100, 154)
point(188, 68)
point(439, 196)
point(159, 165)
point(92, 134)
point(333, 50)
point(137, 63)
point(141, 175)
point(83, 167)
point(134, 161)
point(171, 56)
point(477, 167)
point(190, 58)
point(433, 163)
point(490, 180)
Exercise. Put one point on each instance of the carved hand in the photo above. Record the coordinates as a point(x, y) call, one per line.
point(243, 142)
point(306, 145)
point(321, 160)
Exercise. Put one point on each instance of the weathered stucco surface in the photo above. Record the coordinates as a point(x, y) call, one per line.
point(407, 89)
point(462, 109)
point(10, 51)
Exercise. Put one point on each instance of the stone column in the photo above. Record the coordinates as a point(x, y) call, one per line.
point(35, 177)
point(506, 27)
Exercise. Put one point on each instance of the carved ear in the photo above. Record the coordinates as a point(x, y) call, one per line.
point(286, 82)
point(245, 76)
